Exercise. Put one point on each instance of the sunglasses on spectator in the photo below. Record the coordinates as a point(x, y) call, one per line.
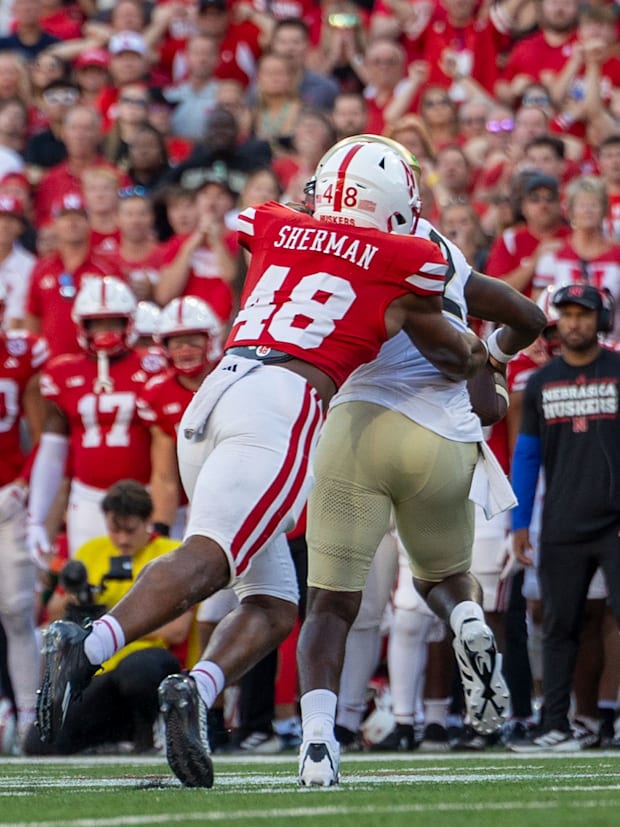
point(66, 285)
point(135, 101)
point(133, 192)
point(64, 96)
point(505, 125)
point(539, 197)
point(437, 102)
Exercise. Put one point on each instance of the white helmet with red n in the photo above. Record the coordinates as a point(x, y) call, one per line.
point(105, 298)
point(184, 316)
point(147, 317)
point(367, 181)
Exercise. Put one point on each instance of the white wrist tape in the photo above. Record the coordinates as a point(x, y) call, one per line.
point(47, 473)
point(495, 350)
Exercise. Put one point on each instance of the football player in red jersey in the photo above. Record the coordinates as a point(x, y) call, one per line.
point(21, 357)
point(191, 336)
point(323, 292)
point(91, 411)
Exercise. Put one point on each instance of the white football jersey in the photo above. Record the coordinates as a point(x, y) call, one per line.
point(401, 379)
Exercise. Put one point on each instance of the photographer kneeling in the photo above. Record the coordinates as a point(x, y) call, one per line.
point(120, 704)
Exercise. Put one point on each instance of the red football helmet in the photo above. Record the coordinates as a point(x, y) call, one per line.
point(105, 298)
point(187, 315)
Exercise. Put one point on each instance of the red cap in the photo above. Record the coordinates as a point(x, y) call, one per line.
point(16, 178)
point(69, 202)
point(92, 57)
point(9, 205)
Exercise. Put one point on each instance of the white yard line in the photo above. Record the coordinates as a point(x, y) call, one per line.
point(307, 812)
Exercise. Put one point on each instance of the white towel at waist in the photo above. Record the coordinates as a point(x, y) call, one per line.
point(490, 488)
point(229, 370)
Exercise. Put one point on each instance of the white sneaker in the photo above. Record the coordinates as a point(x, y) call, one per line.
point(557, 740)
point(480, 666)
point(319, 764)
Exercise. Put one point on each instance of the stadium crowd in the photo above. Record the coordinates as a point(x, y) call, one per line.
point(132, 134)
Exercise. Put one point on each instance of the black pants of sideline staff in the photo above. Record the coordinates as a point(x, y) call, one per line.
point(120, 705)
point(565, 573)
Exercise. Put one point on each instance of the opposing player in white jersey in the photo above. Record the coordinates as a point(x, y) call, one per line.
point(322, 293)
point(401, 437)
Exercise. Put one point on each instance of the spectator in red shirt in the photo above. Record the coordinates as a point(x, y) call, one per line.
point(240, 33)
point(81, 134)
point(542, 55)
point(91, 72)
point(57, 277)
point(100, 188)
point(61, 19)
point(384, 65)
point(203, 263)
point(129, 63)
point(140, 256)
point(515, 254)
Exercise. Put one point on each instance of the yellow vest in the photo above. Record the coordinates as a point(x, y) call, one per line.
point(96, 555)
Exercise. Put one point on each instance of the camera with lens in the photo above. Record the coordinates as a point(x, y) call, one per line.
point(73, 578)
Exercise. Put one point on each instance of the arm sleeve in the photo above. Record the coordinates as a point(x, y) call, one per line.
point(47, 473)
point(525, 468)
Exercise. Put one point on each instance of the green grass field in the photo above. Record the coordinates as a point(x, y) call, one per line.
point(387, 791)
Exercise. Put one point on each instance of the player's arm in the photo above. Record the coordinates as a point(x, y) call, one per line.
point(456, 354)
point(47, 472)
point(164, 477)
point(494, 300)
point(34, 408)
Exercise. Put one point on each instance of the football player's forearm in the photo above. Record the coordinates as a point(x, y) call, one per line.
point(47, 473)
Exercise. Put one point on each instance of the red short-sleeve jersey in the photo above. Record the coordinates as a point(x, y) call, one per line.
point(533, 56)
point(319, 291)
point(163, 401)
point(512, 248)
point(108, 439)
point(21, 356)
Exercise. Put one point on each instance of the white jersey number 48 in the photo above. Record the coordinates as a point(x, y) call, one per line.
point(308, 315)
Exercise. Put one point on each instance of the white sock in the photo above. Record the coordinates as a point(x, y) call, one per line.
point(436, 711)
point(466, 610)
point(318, 714)
point(209, 679)
point(106, 638)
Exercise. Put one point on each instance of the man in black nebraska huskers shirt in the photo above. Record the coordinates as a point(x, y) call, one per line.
point(571, 427)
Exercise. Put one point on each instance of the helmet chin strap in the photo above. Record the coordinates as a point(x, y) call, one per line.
point(103, 383)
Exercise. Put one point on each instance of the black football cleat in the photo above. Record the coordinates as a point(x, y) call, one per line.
point(67, 673)
point(187, 742)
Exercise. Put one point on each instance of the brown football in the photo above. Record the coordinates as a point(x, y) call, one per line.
point(488, 392)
